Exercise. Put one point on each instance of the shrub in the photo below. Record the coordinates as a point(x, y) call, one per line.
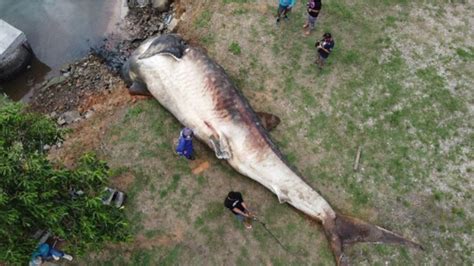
point(35, 195)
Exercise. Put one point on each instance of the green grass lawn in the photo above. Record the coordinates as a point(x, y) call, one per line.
point(398, 85)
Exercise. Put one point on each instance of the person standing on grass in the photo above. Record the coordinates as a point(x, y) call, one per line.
point(185, 144)
point(284, 8)
point(235, 203)
point(313, 8)
point(324, 48)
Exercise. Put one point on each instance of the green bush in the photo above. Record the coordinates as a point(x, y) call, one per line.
point(30, 129)
point(35, 195)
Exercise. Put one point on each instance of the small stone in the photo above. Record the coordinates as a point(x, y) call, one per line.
point(61, 121)
point(89, 114)
point(161, 5)
point(46, 147)
point(173, 24)
point(54, 81)
point(69, 117)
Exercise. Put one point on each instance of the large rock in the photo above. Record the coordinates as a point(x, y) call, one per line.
point(161, 5)
point(15, 53)
point(68, 118)
point(138, 3)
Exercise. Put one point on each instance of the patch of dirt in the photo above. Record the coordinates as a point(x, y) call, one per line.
point(87, 134)
point(80, 82)
point(201, 167)
point(168, 239)
point(122, 181)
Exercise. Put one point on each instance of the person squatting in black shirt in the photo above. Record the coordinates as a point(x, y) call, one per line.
point(235, 203)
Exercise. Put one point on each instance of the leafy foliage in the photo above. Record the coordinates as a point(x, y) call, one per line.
point(29, 129)
point(35, 195)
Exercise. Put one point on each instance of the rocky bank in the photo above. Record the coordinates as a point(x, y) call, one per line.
point(69, 97)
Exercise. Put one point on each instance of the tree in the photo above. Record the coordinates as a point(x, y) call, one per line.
point(35, 195)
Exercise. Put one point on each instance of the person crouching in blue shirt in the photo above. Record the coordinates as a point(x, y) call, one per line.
point(185, 144)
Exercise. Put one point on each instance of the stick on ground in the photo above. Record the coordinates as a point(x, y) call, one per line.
point(356, 162)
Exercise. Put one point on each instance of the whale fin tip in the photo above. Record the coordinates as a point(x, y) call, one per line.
point(220, 147)
point(139, 88)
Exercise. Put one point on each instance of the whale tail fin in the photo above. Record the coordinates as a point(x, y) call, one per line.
point(345, 230)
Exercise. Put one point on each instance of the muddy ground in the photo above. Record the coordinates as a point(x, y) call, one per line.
point(398, 86)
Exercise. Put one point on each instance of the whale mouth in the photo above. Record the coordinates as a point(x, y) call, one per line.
point(170, 44)
point(125, 74)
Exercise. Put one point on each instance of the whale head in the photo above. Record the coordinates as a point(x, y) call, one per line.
point(169, 44)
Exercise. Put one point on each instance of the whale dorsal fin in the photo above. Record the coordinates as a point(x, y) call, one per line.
point(169, 44)
point(269, 121)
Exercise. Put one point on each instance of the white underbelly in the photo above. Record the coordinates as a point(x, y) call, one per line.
point(180, 90)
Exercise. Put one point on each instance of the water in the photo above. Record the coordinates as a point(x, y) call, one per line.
point(59, 31)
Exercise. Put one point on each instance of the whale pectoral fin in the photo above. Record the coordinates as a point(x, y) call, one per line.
point(282, 194)
point(139, 88)
point(269, 121)
point(221, 147)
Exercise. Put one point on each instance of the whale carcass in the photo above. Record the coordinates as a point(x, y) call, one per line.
point(198, 92)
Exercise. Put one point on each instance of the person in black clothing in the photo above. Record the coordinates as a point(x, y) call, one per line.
point(324, 47)
point(235, 203)
point(313, 8)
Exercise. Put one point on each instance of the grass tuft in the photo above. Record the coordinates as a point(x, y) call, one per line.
point(234, 48)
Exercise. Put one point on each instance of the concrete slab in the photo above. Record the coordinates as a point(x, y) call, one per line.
point(14, 51)
point(10, 38)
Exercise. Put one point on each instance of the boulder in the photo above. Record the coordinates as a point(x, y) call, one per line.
point(69, 117)
point(138, 3)
point(173, 24)
point(161, 5)
point(54, 81)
